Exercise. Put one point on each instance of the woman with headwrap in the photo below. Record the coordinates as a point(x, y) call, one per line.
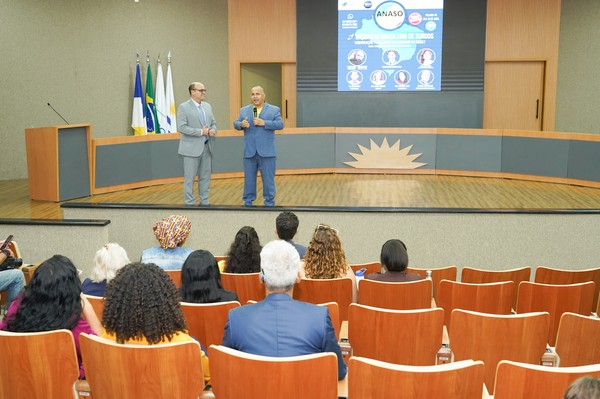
point(171, 233)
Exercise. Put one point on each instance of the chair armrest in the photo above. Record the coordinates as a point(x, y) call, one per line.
point(549, 358)
point(82, 390)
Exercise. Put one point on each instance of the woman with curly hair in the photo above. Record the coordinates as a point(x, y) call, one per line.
point(51, 301)
point(325, 258)
point(244, 253)
point(201, 280)
point(141, 306)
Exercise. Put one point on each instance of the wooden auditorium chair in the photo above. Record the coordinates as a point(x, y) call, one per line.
point(547, 275)
point(496, 298)
point(38, 365)
point(374, 379)
point(334, 315)
point(578, 340)
point(492, 338)
point(165, 371)
point(410, 337)
point(480, 276)
point(337, 290)
point(399, 296)
point(247, 286)
point(236, 375)
point(206, 321)
point(516, 380)
point(372, 267)
point(556, 300)
point(175, 276)
point(437, 275)
point(97, 303)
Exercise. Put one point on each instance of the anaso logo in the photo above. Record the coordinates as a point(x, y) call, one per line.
point(390, 15)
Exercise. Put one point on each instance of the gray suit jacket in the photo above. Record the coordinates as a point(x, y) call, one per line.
point(189, 125)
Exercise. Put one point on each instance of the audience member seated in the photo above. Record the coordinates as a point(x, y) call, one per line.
point(51, 301)
point(11, 280)
point(286, 226)
point(279, 326)
point(325, 258)
point(141, 306)
point(110, 258)
point(201, 280)
point(584, 388)
point(171, 233)
point(394, 261)
point(244, 253)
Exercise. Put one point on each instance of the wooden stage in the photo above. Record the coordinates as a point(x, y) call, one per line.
point(337, 190)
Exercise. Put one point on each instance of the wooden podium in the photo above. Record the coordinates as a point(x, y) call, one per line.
point(58, 162)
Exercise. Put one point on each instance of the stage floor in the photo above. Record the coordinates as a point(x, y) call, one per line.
point(337, 190)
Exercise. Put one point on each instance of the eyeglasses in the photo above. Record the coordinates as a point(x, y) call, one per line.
point(200, 90)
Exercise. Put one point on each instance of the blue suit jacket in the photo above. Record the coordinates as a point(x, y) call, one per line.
point(260, 139)
point(279, 326)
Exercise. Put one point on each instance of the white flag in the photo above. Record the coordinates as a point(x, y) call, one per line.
point(159, 100)
point(171, 125)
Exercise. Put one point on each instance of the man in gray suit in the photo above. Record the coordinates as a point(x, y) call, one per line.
point(197, 125)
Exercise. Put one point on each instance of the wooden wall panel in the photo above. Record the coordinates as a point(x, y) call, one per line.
point(259, 31)
point(519, 30)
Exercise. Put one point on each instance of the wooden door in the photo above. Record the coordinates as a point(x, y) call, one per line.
point(513, 95)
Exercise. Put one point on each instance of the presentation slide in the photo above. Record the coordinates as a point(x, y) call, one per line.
point(388, 45)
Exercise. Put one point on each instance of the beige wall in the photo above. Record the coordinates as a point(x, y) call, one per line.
point(79, 55)
point(577, 103)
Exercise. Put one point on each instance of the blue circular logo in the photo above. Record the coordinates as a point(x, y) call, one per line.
point(368, 4)
point(390, 15)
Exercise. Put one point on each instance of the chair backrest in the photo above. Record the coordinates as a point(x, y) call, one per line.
point(206, 321)
point(374, 379)
point(546, 275)
point(578, 340)
point(372, 267)
point(410, 337)
point(437, 275)
point(38, 365)
point(247, 286)
point(556, 300)
point(334, 315)
point(400, 296)
point(516, 380)
point(491, 338)
point(236, 374)
point(97, 303)
point(496, 298)
point(175, 276)
point(337, 290)
point(172, 370)
point(480, 276)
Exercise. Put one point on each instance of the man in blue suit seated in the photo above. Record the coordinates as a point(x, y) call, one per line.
point(279, 326)
point(259, 121)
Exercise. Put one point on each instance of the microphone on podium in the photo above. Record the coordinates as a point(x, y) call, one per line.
point(255, 112)
point(61, 117)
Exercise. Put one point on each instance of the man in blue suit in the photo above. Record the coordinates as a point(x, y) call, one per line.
point(259, 121)
point(279, 326)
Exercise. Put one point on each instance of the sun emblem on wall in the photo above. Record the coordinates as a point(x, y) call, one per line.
point(385, 157)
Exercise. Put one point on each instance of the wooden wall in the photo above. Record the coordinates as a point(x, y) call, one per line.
point(262, 31)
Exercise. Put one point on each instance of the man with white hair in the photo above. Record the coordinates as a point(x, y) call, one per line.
point(279, 326)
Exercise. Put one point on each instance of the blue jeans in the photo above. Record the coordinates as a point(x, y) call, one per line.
point(11, 280)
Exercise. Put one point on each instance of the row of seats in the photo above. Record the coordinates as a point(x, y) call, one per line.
point(47, 367)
